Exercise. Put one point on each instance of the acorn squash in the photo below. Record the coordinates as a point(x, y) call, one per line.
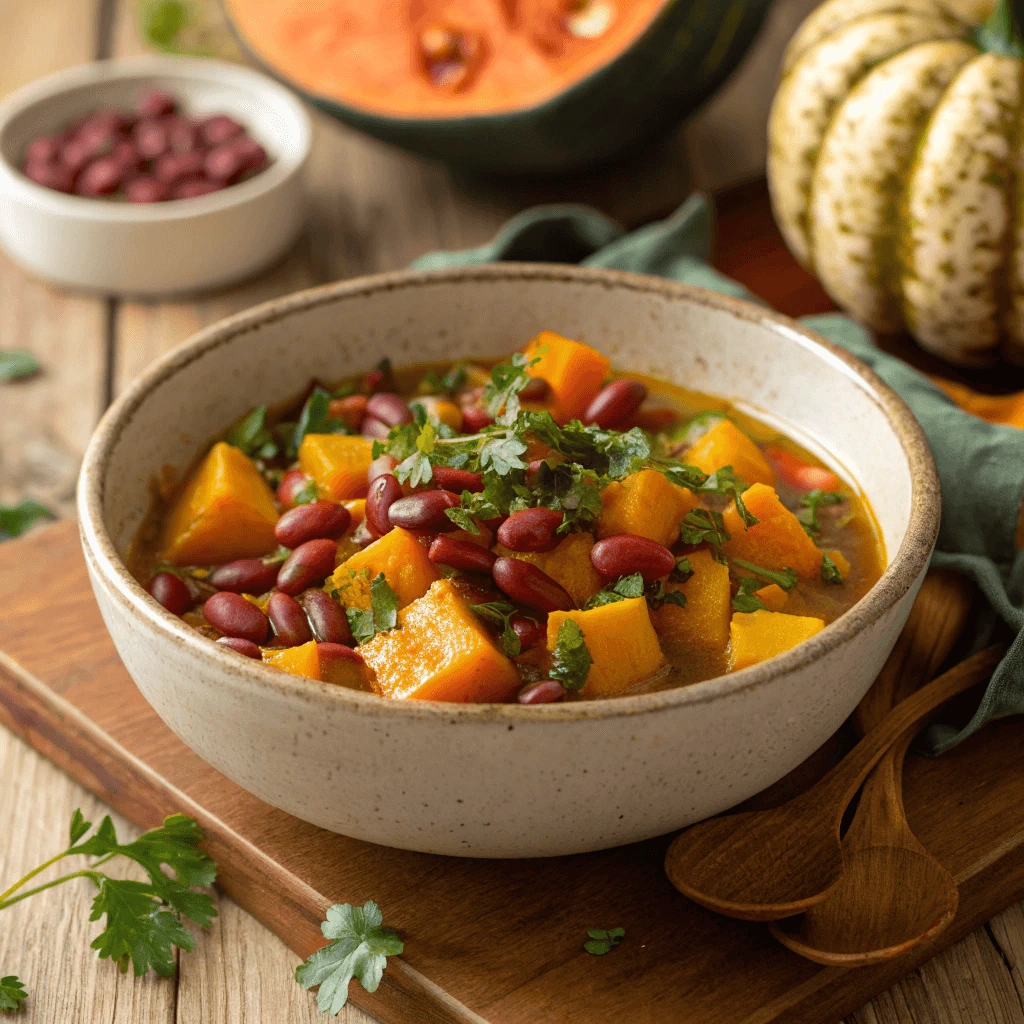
point(503, 85)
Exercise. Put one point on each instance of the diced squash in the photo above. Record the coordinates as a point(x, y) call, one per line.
point(726, 445)
point(339, 464)
point(440, 409)
point(357, 509)
point(568, 565)
point(225, 511)
point(773, 597)
point(703, 625)
point(348, 545)
point(622, 643)
point(646, 504)
point(758, 636)
point(442, 651)
point(402, 559)
point(575, 373)
point(778, 541)
point(300, 661)
point(842, 563)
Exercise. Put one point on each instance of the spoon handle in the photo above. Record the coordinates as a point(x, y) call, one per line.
point(838, 787)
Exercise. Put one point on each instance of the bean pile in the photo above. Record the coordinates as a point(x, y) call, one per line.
point(149, 155)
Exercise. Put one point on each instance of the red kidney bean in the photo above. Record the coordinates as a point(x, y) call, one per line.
point(219, 128)
point(339, 652)
point(151, 139)
point(183, 136)
point(58, 177)
point(381, 465)
point(289, 620)
point(245, 576)
point(75, 155)
point(326, 618)
point(308, 564)
point(234, 616)
point(374, 379)
point(351, 409)
point(461, 554)
point(531, 529)
point(253, 153)
point(388, 408)
point(155, 103)
point(615, 403)
point(243, 647)
point(146, 190)
point(225, 163)
point(374, 428)
point(623, 554)
point(528, 585)
point(291, 484)
point(173, 167)
point(45, 149)
point(193, 188)
point(384, 492)
point(424, 511)
point(547, 691)
point(127, 158)
point(99, 132)
point(530, 633)
point(457, 480)
point(171, 591)
point(536, 391)
point(102, 177)
point(474, 418)
point(314, 521)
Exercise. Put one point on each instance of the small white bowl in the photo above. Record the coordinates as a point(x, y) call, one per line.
point(183, 245)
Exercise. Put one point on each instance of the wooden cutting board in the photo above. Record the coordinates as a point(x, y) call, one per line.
point(485, 941)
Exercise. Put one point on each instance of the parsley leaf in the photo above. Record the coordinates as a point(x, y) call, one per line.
point(307, 495)
point(704, 526)
point(499, 613)
point(657, 595)
point(724, 481)
point(690, 433)
point(359, 948)
point(572, 659)
point(501, 454)
point(16, 519)
point(607, 452)
point(810, 503)
point(625, 587)
point(682, 474)
point(12, 993)
point(461, 516)
point(251, 435)
point(572, 490)
point(603, 940)
point(785, 578)
point(501, 396)
point(78, 827)
point(830, 571)
point(314, 419)
point(381, 616)
point(746, 599)
point(448, 384)
point(682, 572)
point(17, 363)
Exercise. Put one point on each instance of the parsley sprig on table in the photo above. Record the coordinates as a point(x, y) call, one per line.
point(17, 519)
point(143, 920)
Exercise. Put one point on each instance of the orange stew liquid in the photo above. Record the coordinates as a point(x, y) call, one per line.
point(542, 529)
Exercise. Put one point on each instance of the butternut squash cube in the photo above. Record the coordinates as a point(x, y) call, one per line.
point(299, 661)
point(778, 541)
point(773, 597)
point(441, 651)
point(575, 373)
point(702, 627)
point(568, 565)
point(225, 511)
point(758, 636)
point(726, 445)
point(646, 504)
point(338, 463)
point(402, 559)
point(622, 643)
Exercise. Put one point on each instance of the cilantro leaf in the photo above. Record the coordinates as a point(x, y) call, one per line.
point(572, 660)
point(17, 363)
point(359, 948)
point(607, 452)
point(12, 993)
point(682, 474)
point(623, 588)
point(746, 599)
point(830, 571)
point(785, 578)
point(501, 454)
point(384, 603)
point(448, 384)
point(461, 516)
point(657, 595)
point(704, 526)
point(16, 519)
point(79, 826)
point(725, 481)
point(360, 623)
point(810, 503)
point(499, 614)
point(572, 490)
point(251, 435)
point(314, 419)
point(682, 572)
point(501, 396)
point(603, 940)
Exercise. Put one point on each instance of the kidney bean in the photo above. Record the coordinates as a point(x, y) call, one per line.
point(127, 158)
point(374, 428)
point(474, 418)
point(156, 103)
point(615, 403)
point(530, 633)
point(326, 618)
point(234, 616)
point(102, 177)
point(225, 163)
point(536, 391)
point(171, 591)
point(291, 484)
point(286, 615)
point(374, 379)
point(381, 465)
point(99, 132)
point(528, 585)
point(75, 155)
point(388, 408)
point(193, 188)
point(173, 167)
point(44, 150)
point(316, 520)
point(183, 136)
point(531, 529)
point(457, 480)
point(151, 139)
point(547, 691)
point(424, 511)
point(623, 554)
point(384, 492)
point(308, 564)
point(337, 663)
point(146, 190)
point(252, 152)
point(243, 647)
point(245, 576)
point(219, 128)
point(461, 554)
point(58, 177)
point(351, 409)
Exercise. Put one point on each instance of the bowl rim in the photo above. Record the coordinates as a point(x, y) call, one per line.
point(197, 69)
point(904, 569)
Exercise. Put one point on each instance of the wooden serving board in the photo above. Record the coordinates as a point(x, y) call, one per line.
point(485, 941)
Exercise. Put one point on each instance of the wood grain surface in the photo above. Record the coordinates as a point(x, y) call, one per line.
point(373, 208)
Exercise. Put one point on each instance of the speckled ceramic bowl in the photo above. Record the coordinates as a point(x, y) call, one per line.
point(504, 780)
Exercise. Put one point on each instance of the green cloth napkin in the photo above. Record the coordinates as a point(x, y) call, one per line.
point(981, 465)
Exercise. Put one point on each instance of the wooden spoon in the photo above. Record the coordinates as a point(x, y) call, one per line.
point(894, 894)
point(766, 865)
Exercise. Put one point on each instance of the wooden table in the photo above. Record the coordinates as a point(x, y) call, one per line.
point(372, 209)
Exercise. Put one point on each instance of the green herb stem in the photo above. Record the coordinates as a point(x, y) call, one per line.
point(84, 873)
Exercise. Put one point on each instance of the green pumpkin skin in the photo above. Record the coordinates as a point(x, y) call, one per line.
point(682, 57)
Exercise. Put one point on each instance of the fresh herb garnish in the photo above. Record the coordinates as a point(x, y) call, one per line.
point(12, 993)
point(603, 940)
point(307, 495)
point(450, 383)
point(501, 396)
point(572, 660)
point(704, 526)
point(17, 363)
point(830, 571)
point(381, 616)
point(785, 578)
point(16, 519)
point(571, 490)
point(746, 599)
point(810, 503)
point(657, 595)
point(682, 572)
point(251, 435)
point(724, 481)
point(143, 919)
point(359, 948)
point(690, 433)
point(623, 588)
point(499, 614)
point(315, 419)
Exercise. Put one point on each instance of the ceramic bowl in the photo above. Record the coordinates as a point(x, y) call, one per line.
point(184, 245)
point(506, 780)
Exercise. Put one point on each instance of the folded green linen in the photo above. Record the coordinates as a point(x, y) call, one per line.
point(981, 465)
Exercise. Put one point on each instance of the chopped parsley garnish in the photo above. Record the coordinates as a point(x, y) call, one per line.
point(501, 396)
point(724, 481)
point(746, 599)
point(810, 503)
point(381, 616)
point(499, 614)
point(704, 526)
point(251, 435)
point(307, 495)
point(682, 572)
point(572, 660)
point(603, 940)
point(449, 383)
point(785, 578)
point(830, 571)
point(314, 419)
point(623, 588)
